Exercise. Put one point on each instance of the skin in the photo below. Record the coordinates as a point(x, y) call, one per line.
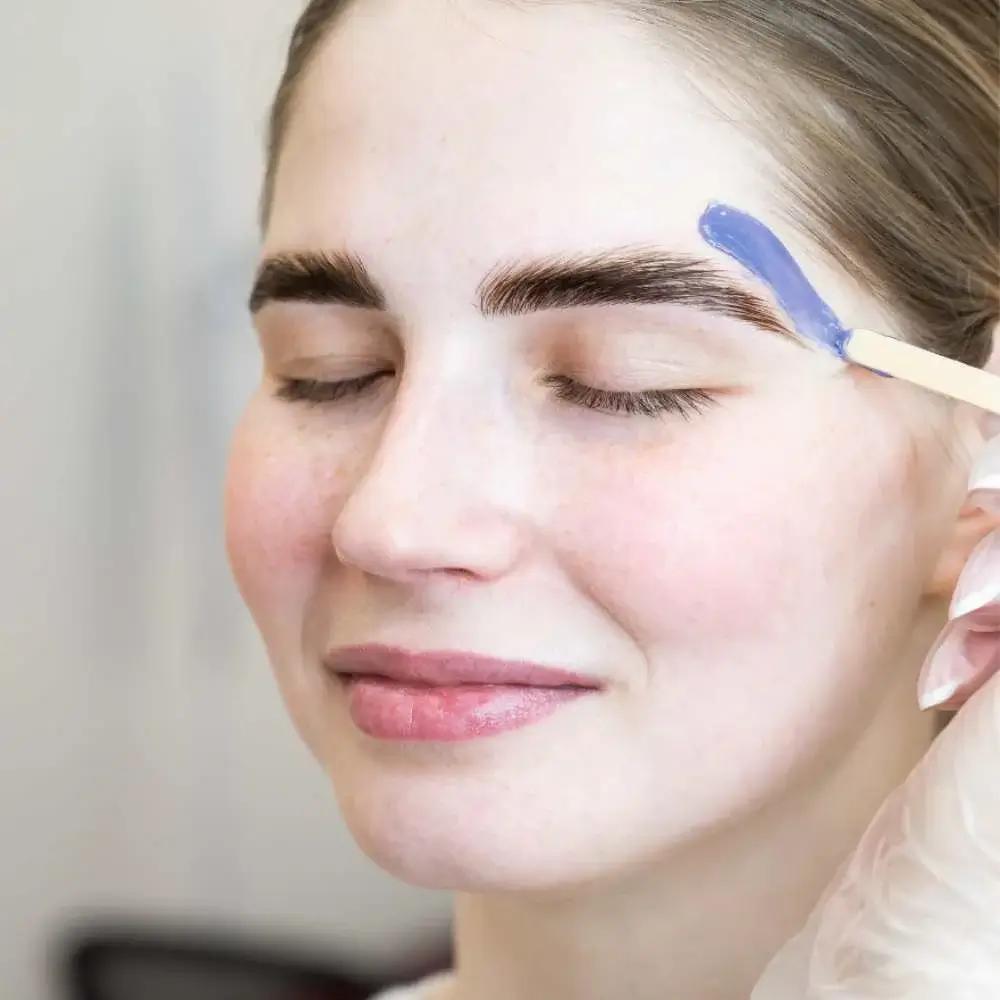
point(755, 586)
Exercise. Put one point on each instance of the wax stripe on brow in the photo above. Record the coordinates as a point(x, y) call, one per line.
point(750, 243)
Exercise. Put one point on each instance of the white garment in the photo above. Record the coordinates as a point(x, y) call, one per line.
point(426, 990)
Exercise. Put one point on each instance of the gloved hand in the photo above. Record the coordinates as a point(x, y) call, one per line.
point(915, 912)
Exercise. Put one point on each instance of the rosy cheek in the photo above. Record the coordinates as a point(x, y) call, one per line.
point(668, 548)
point(278, 518)
point(717, 534)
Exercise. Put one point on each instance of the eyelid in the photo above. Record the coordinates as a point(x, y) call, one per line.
point(295, 332)
point(649, 376)
point(661, 357)
point(332, 367)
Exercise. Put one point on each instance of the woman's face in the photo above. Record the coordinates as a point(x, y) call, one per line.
point(726, 574)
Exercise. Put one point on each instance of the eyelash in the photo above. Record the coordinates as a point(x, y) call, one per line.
point(315, 392)
point(686, 403)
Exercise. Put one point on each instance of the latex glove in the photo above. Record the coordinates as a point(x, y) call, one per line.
point(915, 913)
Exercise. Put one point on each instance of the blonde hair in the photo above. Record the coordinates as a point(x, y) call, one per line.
point(882, 116)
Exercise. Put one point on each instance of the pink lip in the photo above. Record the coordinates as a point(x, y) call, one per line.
point(394, 694)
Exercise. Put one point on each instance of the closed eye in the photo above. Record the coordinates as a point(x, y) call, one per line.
point(307, 390)
point(686, 403)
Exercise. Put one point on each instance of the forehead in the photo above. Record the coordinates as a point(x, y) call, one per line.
point(435, 139)
point(565, 118)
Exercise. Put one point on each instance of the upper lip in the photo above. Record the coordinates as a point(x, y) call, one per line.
point(448, 668)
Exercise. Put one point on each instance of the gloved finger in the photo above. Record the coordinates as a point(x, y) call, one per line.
point(915, 912)
point(968, 652)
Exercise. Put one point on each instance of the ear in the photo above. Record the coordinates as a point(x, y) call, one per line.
point(971, 527)
point(973, 524)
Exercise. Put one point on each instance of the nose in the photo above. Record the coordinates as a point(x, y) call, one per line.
point(441, 495)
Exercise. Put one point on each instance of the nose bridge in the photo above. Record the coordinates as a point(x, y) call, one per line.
point(432, 443)
point(441, 488)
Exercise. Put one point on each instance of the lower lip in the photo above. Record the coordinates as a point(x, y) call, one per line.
point(391, 710)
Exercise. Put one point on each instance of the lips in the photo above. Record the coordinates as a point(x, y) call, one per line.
point(395, 694)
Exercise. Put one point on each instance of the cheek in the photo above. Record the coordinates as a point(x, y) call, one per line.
point(739, 528)
point(279, 509)
point(751, 563)
point(680, 546)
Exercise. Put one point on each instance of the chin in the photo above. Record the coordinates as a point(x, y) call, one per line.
point(446, 832)
point(433, 851)
point(480, 828)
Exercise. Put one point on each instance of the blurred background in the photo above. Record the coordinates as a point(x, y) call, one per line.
point(154, 795)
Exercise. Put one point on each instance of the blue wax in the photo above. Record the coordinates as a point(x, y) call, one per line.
point(753, 245)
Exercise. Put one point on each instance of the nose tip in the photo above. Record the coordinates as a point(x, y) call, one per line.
point(414, 541)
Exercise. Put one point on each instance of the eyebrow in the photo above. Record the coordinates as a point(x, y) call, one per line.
point(623, 276)
point(321, 278)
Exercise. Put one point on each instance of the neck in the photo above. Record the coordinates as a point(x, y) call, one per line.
point(704, 920)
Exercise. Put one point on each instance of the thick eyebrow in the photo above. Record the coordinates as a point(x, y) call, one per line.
point(623, 276)
point(311, 276)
